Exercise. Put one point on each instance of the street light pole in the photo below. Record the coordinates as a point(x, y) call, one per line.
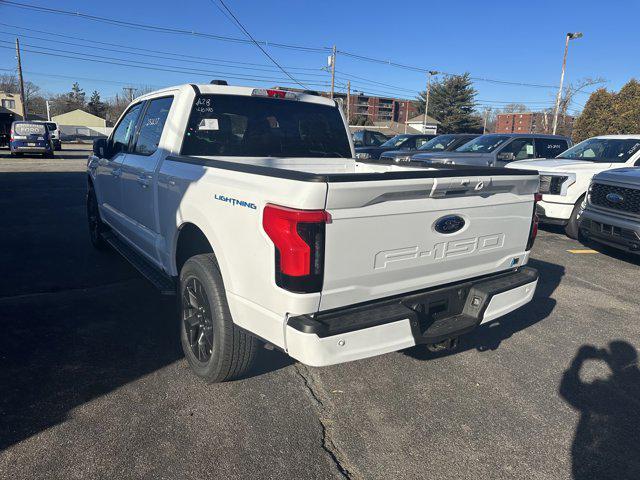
point(426, 106)
point(570, 36)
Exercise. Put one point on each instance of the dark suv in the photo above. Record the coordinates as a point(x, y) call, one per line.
point(405, 142)
point(498, 149)
point(442, 143)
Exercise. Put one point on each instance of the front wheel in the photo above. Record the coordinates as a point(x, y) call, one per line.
point(216, 349)
point(573, 227)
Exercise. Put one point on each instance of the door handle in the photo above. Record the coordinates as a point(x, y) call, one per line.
point(116, 172)
point(143, 182)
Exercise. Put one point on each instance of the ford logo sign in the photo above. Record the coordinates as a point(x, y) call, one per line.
point(449, 224)
point(615, 198)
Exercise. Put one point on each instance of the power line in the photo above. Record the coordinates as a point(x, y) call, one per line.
point(74, 77)
point(157, 28)
point(167, 55)
point(160, 68)
point(185, 70)
point(246, 32)
point(171, 30)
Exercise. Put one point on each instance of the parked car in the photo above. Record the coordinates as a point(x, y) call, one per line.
point(54, 132)
point(440, 143)
point(30, 137)
point(404, 142)
point(368, 138)
point(248, 204)
point(499, 149)
point(612, 212)
point(564, 180)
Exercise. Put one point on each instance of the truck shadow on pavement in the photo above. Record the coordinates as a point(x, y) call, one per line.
point(489, 336)
point(76, 323)
point(606, 444)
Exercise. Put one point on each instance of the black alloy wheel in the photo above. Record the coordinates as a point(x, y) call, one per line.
point(196, 320)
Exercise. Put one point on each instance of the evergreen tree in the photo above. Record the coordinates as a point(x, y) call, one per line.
point(610, 113)
point(96, 106)
point(452, 103)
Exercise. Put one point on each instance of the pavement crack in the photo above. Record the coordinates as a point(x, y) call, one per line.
point(324, 407)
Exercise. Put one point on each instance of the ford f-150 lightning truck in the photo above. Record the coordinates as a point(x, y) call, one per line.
point(249, 205)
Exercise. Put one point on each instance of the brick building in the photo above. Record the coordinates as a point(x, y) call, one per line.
point(376, 109)
point(531, 122)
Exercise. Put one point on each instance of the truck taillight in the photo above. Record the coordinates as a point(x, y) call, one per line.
point(298, 236)
point(533, 231)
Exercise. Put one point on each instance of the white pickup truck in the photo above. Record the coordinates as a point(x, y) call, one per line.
point(564, 180)
point(248, 204)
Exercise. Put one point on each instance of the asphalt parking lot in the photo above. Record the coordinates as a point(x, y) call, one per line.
point(93, 383)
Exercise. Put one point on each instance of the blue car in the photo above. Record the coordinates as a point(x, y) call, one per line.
point(30, 137)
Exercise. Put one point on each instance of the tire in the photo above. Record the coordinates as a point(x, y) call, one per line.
point(96, 226)
point(16, 154)
point(48, 155)
point(573, 227)
point(216, 349)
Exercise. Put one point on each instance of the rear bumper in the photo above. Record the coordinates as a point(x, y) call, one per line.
point(32, 149)
point(387, 325)
point(618, 232)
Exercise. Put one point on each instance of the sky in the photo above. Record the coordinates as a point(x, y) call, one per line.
point(508, 41)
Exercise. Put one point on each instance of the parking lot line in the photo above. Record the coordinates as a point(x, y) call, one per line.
point(581, 251)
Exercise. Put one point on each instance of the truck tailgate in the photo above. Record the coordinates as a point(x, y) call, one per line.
point(383, 241)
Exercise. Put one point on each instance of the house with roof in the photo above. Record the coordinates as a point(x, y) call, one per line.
point(424, 125)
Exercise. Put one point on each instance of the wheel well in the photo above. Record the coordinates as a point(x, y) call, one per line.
point(191, 241)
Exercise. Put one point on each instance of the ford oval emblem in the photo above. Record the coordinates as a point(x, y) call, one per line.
point(615, 198)
point(449, 224)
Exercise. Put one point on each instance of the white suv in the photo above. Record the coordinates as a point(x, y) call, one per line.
point(564, 180)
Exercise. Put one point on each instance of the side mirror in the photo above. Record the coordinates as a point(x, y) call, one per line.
point(100, 147)
point(506, 157)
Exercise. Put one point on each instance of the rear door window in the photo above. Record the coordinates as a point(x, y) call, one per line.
point(550, 147)
point(152, 125)
point(522, 148)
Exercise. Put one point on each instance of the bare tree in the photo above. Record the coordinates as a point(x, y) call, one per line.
point(8, 83)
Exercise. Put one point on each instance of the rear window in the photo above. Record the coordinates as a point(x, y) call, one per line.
point(29, 129)
point(242, 126)
point(51, 126)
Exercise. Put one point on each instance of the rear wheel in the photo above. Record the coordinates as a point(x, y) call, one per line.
point(573, 227)
point(216, 349)
point(96, 227)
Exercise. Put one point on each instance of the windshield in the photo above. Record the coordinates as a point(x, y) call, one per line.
point(441, 142)
point(606, 150)
point(28, 128)
point(483, 144)
point(242, 126)
point(395, 141)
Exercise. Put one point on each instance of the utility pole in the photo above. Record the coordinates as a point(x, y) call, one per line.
point(333, 69)
point(46, 102)
point(486, 117)
point(348, 101)
point(426, 106)
point(21, 80)
point(406, 115)
point(570, 36)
